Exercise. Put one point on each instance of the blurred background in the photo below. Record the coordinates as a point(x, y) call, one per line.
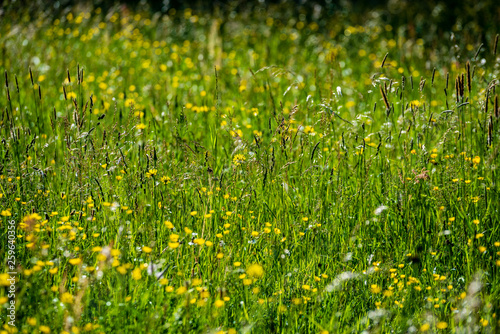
point(427, 19)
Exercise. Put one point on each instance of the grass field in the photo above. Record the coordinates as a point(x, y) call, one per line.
point(186, 173)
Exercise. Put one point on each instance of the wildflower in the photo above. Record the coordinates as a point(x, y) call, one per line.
point(255, 270)
point(219, 303)
point(67, 298)
point(76, 261)
point(44, 329)
point(425, 327)
point(442, 325)
point(136, 274)
point(173, 245)
point(309, 130)
point(6, 213)
point(147, 249)
point(374, 288)
point(388, 293)
point(238, 159)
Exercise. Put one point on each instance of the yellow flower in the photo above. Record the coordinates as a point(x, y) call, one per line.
point(255, 270)
point(6, 213)
point(425, 327)
point(141, 126)
point(147, 249)
point(238, 159)
point(67, 298)
point(44, 329)
point(136, 274)
point(76, 261)
point(219, 303)
point(476, 160)
point(374, 288)
point(199, 241)
point(442, 325)
point(173, 245)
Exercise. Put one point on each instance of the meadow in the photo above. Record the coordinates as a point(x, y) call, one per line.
point(200, 173)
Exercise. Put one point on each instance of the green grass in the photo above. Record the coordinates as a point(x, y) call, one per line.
point(187, 173)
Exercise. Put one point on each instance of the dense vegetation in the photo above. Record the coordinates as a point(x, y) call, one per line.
point(191, 172)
